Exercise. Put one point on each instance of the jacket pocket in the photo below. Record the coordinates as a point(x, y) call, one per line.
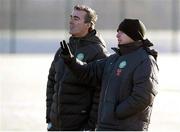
point(108, 114)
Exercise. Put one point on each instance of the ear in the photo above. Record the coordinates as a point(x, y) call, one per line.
point(89, 25)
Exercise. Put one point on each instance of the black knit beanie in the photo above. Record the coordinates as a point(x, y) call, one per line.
point(134, 28)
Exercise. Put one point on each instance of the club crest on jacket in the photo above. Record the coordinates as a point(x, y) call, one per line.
point(80, 56)
point(122, 64)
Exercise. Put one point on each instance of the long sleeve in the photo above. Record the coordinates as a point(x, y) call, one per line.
point(90, 73)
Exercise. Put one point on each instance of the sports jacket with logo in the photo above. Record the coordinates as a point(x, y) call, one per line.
point(73, 104)
point(128, 86)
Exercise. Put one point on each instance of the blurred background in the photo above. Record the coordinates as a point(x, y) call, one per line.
point(30, 31)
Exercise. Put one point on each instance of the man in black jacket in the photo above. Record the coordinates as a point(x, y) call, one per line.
point(70, 104)
point(128, 79)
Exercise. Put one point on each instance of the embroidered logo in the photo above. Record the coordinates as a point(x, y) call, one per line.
point(122, 64)
point(80, 56)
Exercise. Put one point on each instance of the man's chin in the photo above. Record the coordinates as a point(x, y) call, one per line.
point(71, 33)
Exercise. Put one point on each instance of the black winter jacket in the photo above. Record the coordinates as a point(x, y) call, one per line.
point(128, 86)
point(70, 104)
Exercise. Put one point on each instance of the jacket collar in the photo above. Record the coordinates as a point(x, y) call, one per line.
point(128, 48)
point(89, 36)
point(92, 36)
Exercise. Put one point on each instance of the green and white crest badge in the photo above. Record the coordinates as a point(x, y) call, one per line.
point(122, 64)
point(80, 56)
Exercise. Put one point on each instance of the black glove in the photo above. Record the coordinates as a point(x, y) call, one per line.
point(66, 52)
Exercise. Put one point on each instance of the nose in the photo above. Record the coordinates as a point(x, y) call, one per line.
point(118, 35)
point(71, 21)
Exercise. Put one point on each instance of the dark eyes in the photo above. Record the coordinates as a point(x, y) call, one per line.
point(76, 18)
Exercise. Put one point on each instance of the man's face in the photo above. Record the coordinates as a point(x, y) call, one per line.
point(77, 26)
point(123, 38)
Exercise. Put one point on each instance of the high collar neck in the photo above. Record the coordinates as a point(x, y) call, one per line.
point(89, 34)
point(130, 47)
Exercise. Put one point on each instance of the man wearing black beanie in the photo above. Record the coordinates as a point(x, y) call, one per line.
point(128, 79)
point(129, 31)
point(134, 28)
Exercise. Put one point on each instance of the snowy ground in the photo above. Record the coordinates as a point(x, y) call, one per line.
point(23, 87)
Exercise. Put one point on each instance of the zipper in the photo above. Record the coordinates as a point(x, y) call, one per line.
point(105, 93)
point(106, 90)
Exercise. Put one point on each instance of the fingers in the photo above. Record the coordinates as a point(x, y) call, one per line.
point(62, 45)
point(64, 42)
point(65, 48)
point(65, 45)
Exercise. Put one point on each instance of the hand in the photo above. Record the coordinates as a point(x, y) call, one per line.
point(65, 51)
point(65, 48)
